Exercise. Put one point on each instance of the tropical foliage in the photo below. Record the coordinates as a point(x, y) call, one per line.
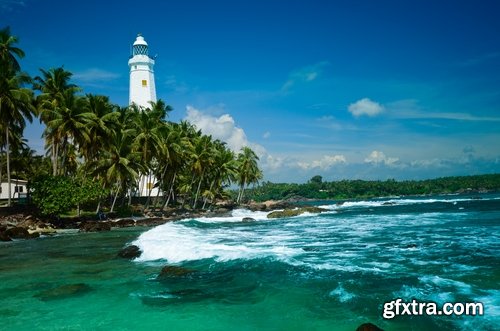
point(350, 189)
point(125, 150)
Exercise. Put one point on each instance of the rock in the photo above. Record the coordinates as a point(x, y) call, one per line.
point(130, 252)
point(124, 223)
point(4, 236)
point(256, 206)
point(174, 271)
point(63, 292)
point(295, 212)
point(388, 203)
point(248, 219)
point(17, 233)
point(93, 226)
point(368, 327)
point(36, 226)
point(154, 221)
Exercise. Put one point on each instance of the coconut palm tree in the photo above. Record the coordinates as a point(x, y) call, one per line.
point(8, 52)
point(248, 170)
point(103, 124)
point(55, 105)
point(16, 102)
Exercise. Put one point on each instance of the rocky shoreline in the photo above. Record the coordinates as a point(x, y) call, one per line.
point(25, 225)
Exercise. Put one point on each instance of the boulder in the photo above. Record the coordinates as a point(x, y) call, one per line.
point(63, 292)
point(174, 271)
point(248, 219)
point(124, 223)
point(295, 212)
point(256, 206)
point(17, 233)
point(4, 236)
point(130, 252)
point(93, 226)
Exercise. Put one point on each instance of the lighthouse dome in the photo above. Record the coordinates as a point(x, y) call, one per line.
point(140, 46)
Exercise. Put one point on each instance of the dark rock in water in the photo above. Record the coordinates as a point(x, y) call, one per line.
point(130, 252)
point(63, 292)
point(388, 203)
point(124, 223)
point(256, 206)
point(4, 236)
point(368, 327)
point(295, 212)
point(152, 221)
point(174, 271)
point(248, 219)
point(310, 249)
point(17, 233)
point(93, 226)
point(412, 245)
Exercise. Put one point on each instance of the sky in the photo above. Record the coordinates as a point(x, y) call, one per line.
point(343, 89)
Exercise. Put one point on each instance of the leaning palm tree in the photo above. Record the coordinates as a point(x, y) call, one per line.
point(248, 170)
point(16, 102)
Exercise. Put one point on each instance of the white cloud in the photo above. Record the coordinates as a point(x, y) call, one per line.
point(366, 107)
point(325, 163)
point(378, 157)
point(95, 75)
point(410, 109)
point(304, 75)
point(222, 127)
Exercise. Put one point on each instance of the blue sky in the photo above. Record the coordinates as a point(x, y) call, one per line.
point(344, 89)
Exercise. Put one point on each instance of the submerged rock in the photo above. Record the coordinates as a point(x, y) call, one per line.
point(63, 292)
point(248, 219)
point(294, 212)
point(368, 327)
point(93, 226)
point(174, 271)
point(130, 252)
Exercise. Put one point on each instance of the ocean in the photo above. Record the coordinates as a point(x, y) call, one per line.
point(328, 271)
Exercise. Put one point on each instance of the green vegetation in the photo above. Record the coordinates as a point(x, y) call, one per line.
point(118, 151)
point(350, 189)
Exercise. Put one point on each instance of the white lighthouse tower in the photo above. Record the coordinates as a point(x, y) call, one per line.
point(142, 91)
point(142, 80)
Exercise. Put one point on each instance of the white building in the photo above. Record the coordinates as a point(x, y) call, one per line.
point(18, 189)
point(142, 80)
point(142, 92)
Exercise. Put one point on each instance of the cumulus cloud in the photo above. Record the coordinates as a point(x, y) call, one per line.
point(325, 163)
point(304, 75)
point(366, 107)
point(222, 127)
point(378, 157)
point(95, 75)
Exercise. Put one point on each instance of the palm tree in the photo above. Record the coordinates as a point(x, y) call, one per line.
point(15, 101)
point(8, 52)
point(103, 123)
point(120, 165)
point(56, 104)
point(248, 170)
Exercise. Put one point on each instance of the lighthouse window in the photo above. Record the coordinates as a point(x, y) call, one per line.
point(144, 82)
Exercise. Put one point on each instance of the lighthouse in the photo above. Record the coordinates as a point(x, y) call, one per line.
point(142, 80)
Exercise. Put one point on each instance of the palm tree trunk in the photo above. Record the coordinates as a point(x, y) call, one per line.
point(206, 199)
point(8, 165)
point(170, 192)
point(160, 184)
point(116, 197)
point(197, 192)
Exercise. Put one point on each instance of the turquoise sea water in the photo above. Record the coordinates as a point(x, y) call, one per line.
point(329, 271)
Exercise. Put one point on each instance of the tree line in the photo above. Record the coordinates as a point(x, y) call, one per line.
point(316, 188)
point(120, 149)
